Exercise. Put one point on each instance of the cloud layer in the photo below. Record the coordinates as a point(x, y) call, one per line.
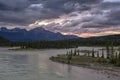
point(66, 16)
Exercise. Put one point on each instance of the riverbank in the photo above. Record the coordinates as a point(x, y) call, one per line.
point(88, 62)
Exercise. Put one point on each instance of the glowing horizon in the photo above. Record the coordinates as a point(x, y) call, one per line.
point(92, 34)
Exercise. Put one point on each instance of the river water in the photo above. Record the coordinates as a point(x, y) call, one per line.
point(35, 65)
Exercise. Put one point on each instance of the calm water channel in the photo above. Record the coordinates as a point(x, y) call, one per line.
point(35, 65)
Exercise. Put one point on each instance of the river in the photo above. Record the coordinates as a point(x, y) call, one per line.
point(35, 65)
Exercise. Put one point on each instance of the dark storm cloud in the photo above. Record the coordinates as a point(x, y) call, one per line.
point(24, 12)
point(114, 15)
point(83, 15)
point(110, 5)
point(101, 17)
point(104, 15)
point(111, 19)
point(14, 5)
point(69, 5)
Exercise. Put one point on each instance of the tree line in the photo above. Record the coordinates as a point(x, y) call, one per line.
point(63, 43)
point(109, 55)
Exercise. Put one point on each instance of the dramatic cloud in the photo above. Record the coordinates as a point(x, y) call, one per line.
point(66, 16)
point(24, 12)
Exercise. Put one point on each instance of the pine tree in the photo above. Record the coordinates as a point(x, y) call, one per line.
point(75, 52)
point(78, 52)
point(102, 53)
point(108, 52)
point(112, 55)
point(71, 52)
point(93, 53)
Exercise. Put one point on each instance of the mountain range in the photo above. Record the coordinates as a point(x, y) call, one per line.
point(36, 34)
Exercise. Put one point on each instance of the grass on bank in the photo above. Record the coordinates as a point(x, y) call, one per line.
point(111, 58)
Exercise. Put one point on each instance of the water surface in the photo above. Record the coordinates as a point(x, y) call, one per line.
point(35, 65)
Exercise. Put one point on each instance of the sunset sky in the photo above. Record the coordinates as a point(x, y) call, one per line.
point(84, 18)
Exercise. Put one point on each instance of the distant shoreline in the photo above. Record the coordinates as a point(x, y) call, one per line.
point(24, 49)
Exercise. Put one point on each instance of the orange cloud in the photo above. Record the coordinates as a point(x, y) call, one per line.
point(92, 34)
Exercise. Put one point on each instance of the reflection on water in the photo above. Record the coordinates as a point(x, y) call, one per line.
point(35, 65)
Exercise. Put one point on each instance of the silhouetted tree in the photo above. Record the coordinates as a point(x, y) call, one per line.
point(108, 52)
point(93, 53)
point(102, 53)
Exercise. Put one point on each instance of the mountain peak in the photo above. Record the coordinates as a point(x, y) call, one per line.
point(18, 30)
point(38, 29)
point(3, 29)
point(36, 34)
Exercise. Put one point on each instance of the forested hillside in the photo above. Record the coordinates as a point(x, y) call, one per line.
point(113, 40)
